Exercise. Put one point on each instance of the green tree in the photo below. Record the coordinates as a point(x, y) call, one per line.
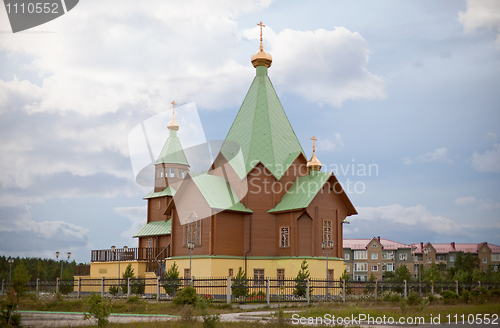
point(463, 268)
point(40, 271)
point(402, 273)
point(172, 276)
point(20, 279)
point(239, 286)
point(129, 272)
point(98, 308)
point(433, 273)
point(67, 286)
point(300, 280)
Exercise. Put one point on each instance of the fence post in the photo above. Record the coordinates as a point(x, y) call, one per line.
point(192, 281)
point(228, 296)
point(308, 297)
point(79, 286)
point(376, 289)
point(432, 287)
point(406, 287)
point(343, 290)
point(157, 288)
point(456, 287)
point(57, 285)
point(102, 286)
point(479, 283)
point(128, 287)
point(268, 295)
point(37, 286)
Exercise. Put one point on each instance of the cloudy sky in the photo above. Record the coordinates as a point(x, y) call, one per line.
point(408, 89)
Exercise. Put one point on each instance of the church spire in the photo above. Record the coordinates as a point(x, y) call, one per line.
point(173, 125)
point(314, 164)
point(261, 57)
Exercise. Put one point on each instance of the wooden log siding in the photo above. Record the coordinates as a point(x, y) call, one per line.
point(133, 254)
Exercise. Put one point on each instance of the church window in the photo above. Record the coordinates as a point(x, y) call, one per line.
point(172, 173)
point(149, 243)
point(284, 237)
point(280, 275)
point(327, 230)
point(192, 232)
point(258, 276)
point(158, 204)
point(230, 273)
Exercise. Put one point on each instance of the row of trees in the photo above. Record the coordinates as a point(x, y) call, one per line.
point(44, 269)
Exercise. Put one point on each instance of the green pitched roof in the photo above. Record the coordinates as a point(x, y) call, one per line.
point(302, 192)
point(172, 152)
point(262, 130)
point(169, 191)
point(155, 229)
point(218, 193)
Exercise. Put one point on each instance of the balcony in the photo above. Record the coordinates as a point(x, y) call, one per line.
point(132, 254)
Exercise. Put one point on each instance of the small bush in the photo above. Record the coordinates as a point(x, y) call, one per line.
point(186, 295)
point(133, 299)
point(98, 308)
point(449, 297)
point(113, 290)
point(413, 299)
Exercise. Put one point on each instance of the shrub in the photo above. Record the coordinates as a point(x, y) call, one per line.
point(413, 299)
point(7, 311)
point(99, 309)
point(172, 276)
point(300, 280)
point(113, 290)
point(239, 286)
point(186, 295)
point(129, 272)
point(449, 297)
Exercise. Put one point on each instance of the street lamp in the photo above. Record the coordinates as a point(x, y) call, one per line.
point(327, 247)
point(11, 261)
point(57, 257)
point(190, 246)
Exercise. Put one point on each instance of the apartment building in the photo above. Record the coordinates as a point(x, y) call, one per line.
point(364, 257)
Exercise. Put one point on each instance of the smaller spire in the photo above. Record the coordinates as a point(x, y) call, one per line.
point(173, 125)
point(261, 57)
point(314, 164)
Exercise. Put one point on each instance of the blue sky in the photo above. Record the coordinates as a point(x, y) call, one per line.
point(408, 87)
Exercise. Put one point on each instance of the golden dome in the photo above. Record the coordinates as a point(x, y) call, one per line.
point(314, 164)
point(173, 125)
point(262, 57)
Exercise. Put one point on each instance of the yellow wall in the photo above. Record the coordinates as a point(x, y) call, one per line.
point(110, 269)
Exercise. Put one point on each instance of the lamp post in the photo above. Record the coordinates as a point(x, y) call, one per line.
point(57, 257)
point(11, 261)
point(327, 247)
point(190, 246)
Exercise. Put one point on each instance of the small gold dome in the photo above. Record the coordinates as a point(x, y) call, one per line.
point(262, 57)
point(314, 164)
point(173, 125)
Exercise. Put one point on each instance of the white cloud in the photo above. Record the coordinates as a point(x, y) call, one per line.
point(322, 66)
point(492, 135)
point(465, 201)
point(19, 220)
point(481, 13)
point(439, 155)
point(413, 217)
point(19, 94)
point(482, 204)
point(332, 143)
point(137, 216)
point(489, 161)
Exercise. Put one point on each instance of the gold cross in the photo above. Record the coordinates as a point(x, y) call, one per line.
point(314, 139)
point(261, 26)
point(173, 104)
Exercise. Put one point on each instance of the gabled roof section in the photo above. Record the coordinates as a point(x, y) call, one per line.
point(362, 243)
point(262, 130)
point(169, 191)
point(218, 193)
point(301, 193)
point(172, 152)
point(156, 228)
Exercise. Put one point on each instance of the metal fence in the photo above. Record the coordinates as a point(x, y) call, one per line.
point(232, 290)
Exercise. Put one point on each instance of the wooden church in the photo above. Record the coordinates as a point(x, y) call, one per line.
point(261, 206)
